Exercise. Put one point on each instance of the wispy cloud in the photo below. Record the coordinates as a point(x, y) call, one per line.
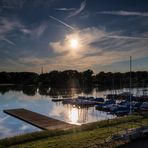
point(24, 127)
point(106, 52)
point(60, 21)
point(18, 4)
point(13, 3)
point(35, 32)
point(85, 36)
point(3, 119)
point(7, 40)
point(8, 7)
point(124, 13)
point(127, 37)
point(7, 26)
point(65, 9)
point(111, 48)
point(39, 30)
point(76, 12)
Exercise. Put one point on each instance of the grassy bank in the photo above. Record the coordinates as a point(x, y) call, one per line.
point(88, 135)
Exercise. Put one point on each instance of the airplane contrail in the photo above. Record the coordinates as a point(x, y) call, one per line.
point(127, 37)
point(65, 24)
point(76, 12)
point(65, 9)
point(3, 119)
point(7, 40)
point(124, 13)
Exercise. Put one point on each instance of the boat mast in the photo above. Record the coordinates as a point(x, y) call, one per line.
point(130, 83)
point(113, 92)
point(42, 69)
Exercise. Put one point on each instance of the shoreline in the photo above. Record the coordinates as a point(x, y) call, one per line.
point(105, 126)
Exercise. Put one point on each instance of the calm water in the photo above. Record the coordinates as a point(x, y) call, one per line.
point(39, 100)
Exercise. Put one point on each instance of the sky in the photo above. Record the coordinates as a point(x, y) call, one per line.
point(73, 34)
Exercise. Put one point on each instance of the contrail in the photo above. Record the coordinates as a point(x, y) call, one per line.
point(65, 9)
point(124, 13)
point(3, 119)
point(76, 12)
point(7, 40)
point(65, 24)
point(127, 37)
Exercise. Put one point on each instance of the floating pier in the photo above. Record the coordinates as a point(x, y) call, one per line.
point(38, 120)
point(58, 99)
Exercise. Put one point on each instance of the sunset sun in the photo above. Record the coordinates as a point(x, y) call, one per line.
point(74, 43)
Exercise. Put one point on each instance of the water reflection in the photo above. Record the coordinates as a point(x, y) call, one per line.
point(73, 115)
point(45, 90)
point(64, 93)
point(28, 90)
point(39, 100)
point(78, 115)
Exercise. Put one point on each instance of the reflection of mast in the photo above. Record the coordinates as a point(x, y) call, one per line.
point(83, 115)
point(42, 70)
point(78, 115)
point(130, 83)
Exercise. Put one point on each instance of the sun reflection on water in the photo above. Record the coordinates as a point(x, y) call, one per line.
point(73, 115)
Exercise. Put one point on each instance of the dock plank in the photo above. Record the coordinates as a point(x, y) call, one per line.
point(38, 120)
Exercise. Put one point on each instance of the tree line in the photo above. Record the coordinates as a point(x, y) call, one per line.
point(75, 79)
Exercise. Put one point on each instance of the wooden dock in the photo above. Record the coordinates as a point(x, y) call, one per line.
point(38, 120)
point(58, 100)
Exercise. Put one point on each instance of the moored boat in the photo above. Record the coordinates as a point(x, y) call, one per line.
point(144, 106)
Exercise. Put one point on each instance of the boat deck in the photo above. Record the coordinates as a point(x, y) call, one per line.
point(38, 120)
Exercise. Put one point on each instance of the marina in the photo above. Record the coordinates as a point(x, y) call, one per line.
point(83, 108)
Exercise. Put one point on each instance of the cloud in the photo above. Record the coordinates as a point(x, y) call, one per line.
point(41, 3)
point(32, 60)
point(5, 131)
point(24, 127)
point(25, 31)
point(124, 13)
point(12, 3)
point(97, 47)
point(8, 7)
point(65, 9)
point(19, 4)
point(76, 12)
point(128, 37)
point(85, 36)
point(35, 32)
point(6, 26)
point(3, 119)
point(11, 26)
point(39, 30)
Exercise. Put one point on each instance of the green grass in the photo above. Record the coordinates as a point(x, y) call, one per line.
point(89, 135)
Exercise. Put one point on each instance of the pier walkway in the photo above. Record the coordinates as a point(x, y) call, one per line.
point(38, 120)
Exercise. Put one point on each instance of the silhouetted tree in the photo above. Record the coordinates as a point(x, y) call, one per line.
point(75, 79)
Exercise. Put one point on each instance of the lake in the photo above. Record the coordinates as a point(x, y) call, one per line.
point(40, 100)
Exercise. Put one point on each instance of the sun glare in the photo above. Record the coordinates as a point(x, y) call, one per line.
point(74, 115)
point(74, 43)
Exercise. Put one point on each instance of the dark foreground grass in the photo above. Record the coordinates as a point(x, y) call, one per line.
point(88, 135)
